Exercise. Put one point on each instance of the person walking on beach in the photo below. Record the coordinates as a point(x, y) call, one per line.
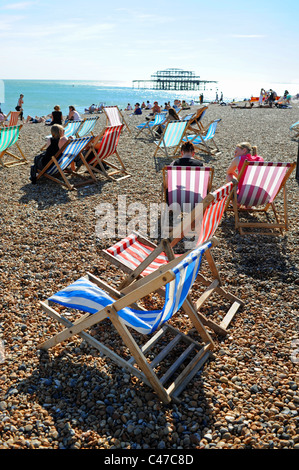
point(19, 106)
point(244, 151)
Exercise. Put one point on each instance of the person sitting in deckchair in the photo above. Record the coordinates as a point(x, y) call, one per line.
point(187, 156)
point(244, 151)
point(55, 143)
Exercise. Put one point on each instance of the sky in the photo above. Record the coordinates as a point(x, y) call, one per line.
point(229, 40)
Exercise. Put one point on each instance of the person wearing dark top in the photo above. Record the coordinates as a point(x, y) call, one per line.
point(55, 143)
point(187, 156)
point(56, 116)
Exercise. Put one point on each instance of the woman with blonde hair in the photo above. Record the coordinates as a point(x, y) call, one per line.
point(244, 151)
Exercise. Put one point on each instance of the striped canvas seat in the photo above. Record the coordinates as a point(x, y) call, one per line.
point(87, 126)
point(114, 117)
point(9, 136)
point(106, 147)
point(100, 302)
point(139, 257)
point(259, 185)
point(71, 128)
point(13, 119)
point(170, 139)
point(61, 163)
point(186, 185)
point(159, 120)
point(200, 141)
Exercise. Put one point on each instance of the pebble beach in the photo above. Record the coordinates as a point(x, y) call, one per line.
point(245, 397)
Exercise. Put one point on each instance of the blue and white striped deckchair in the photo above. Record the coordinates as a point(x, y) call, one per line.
point(9, 136)
point(87, 126)
point(160, 118)
point(171, 138)
point(71, 128)
point(200, 141)
point(62, 161)
point(101, 302)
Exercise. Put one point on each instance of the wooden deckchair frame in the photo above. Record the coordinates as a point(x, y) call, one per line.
point(13, 119)
point(99, 162)
point(166, 246)
point(276, 228)
point(69, 171)
point(122, 119)
point(145, 370)
point(17, 160)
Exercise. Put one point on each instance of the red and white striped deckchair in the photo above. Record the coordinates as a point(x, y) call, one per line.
point(259, 183)
point(137, 256)
point(104, 147)
point(186, 185)
point(13, 119)
point(114, 117)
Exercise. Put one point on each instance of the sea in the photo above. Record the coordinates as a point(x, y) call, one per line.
point(40, 96)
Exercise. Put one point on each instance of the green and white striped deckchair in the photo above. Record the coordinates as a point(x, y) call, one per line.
point(100, 302)
point(171, 138)
point(87, 126)
point(8, 137)
point(61, 163)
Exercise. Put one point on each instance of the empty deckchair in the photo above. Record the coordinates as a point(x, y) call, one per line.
point(13, 119)
point(261, 182)
point(170, 139)
point(102, 149)
point(138, 257)
point(60, 164)
point(107, 308)
point(114, 117)
point(87, 126)
point(9, 136)
point(184, 185)
point(200, 141)
point(151, 126)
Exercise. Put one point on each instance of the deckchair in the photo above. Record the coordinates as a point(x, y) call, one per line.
point(87, 126)
point(261, 182)
point(8, 137)
point(171, 138)
point(200, 140)
point(70, 131)
point(61, 163)
point(184, 185)
point(114, 117)
point(13, 119)
point(98, 158)
point(137, 256)
point(195, 123)
point(295, 128)
point(106, 308)
point(159, 120)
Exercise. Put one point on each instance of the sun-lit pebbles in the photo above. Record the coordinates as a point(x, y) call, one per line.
point(246, 397)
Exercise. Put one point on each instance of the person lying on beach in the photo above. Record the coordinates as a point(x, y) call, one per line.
point(244, 151)
point(73, 115)
point(36, 119)
point(54, 144)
